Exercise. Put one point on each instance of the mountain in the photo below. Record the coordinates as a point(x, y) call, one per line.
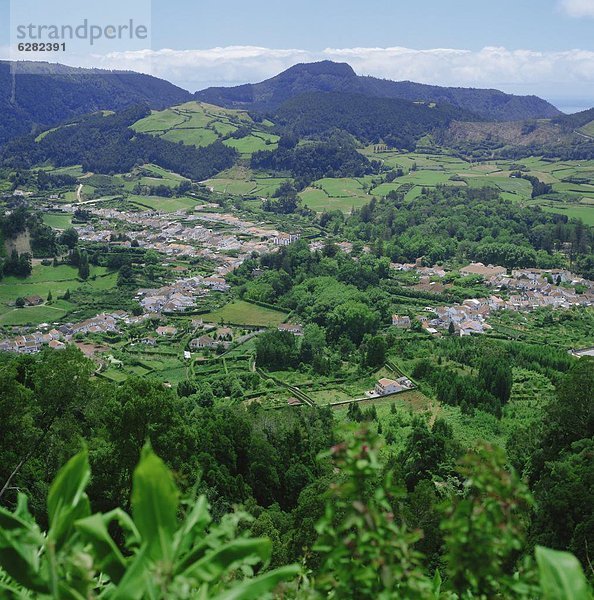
point(398, 123)
point(582, 119)
point(44, 94)
point(328, 76)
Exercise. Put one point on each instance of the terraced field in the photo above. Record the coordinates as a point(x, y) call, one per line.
point(199, 124)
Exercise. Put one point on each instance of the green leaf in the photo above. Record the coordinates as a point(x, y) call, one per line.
point(155, 500)
point(20, 544)
point(186, 550)
point(437, 583)
point(561, 576)
point(67, 501)
point(108, 558)
point(12, 592)
point(133, 585)
point(255, 588)
point(229, 557)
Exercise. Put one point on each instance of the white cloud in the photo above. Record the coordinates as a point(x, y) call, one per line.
point(526, 70)
point(577, 8)
point(568, 73)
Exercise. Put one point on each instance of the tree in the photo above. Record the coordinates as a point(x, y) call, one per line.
point(276, 350)
point(49, 296)
point(151, 257)
point(313, 344)
point(19, 302)
point(375, 351)
point(495, 374)
point(352, 319)
point(83, 268)
point(75, 257)
point(69, 238)
point(125, 276)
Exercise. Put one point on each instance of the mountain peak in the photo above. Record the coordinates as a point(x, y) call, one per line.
point(323, 67)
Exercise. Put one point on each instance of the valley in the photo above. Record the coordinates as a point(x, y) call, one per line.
point(323, 268)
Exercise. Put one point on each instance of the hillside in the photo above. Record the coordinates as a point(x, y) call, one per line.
point(556, 138)
point(198, 124)
point(399, 123)
point(327, 76)
point(60, 93)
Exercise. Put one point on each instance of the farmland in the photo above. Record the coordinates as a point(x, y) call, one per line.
point(245, 313)
point(200, 124)
point(572, 182)
point(43, 280)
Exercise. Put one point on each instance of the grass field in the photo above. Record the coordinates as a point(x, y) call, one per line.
point(200, 124)
point(33, 315)
point(335, 194)
point(242, 181)
point(585, 212)
point(245, 313)
point(253, 143)
point(43, 280)
point(57, 220)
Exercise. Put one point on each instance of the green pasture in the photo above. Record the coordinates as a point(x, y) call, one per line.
point(245, 313)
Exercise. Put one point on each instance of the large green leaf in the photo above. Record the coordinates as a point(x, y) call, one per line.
point(561, 576)
point(67, 501)
point(155, 500)
point(254, 588)
point(229, 557)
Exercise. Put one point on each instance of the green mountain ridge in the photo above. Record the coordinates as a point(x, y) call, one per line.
point(328, 76)
point(43, 94)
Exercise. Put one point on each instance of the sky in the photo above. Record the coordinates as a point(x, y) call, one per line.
point(541, 47)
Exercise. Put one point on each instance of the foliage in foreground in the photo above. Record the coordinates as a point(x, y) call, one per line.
point(151, 554)
point(365, 548)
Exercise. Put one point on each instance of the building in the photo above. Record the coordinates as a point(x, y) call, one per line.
point(203, 342)
point(293, 328)
point(386, 386)
point(33, 300)
point(400, 321)
point(224, 333)
point(165, 330)
point(482, 270)
point(284, 239)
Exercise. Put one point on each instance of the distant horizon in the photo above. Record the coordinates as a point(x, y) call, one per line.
point(565, 105)
point(550, 53)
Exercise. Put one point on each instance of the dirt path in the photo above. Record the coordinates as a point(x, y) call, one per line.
point(78, 192)
point(434, 407)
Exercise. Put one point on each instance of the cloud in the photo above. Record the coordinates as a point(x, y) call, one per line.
point(568, 73)
point(528, 71)
point(577, 8)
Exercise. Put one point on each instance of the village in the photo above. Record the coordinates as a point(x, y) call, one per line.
point(524, 290)
point(170, 334)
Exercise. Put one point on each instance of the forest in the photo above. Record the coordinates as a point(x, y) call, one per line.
point(475, 223)
point(291, 473)
point(397, 123)
point(335, 156)
point(103, 143)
